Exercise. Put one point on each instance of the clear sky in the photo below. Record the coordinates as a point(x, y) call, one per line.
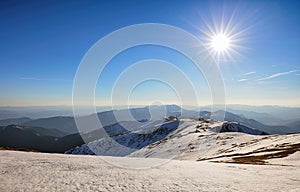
point(43, 42)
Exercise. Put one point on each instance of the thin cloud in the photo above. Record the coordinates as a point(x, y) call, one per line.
point(42, 79)
point(249, 73)
point(277, 75)
point(242, 80)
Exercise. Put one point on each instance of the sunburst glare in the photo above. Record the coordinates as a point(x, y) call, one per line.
point(220, 42)
point(223, 37)
point(223, 43)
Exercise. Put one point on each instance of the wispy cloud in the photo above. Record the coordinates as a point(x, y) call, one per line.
point(241, 80)
point(277, 75)
point(249, 73)
point(42, 79)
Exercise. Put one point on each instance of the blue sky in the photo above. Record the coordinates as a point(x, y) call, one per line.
point(43, 42)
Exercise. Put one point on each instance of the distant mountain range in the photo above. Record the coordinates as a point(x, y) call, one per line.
point(14, 121)
point(39, 139)
point(270, 115)
point(60, 133)
point(67, 125)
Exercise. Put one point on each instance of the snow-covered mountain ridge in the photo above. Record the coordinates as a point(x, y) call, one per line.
point(191, 139)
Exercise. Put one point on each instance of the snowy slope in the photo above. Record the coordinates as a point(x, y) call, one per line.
point(127, 142)
point(22, 171)
point(203, 142)
point(191, 139)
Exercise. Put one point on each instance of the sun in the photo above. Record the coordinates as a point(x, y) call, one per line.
point(223, 39)
point(220, 42)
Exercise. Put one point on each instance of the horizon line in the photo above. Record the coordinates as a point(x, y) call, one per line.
point(144, 105)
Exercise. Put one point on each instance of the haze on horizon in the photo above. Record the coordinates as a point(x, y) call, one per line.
point(43, 43)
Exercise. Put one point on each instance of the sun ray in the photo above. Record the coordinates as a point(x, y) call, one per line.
point(223, 40)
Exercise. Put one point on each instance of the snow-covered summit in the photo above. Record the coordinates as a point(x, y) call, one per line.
point(165, 139)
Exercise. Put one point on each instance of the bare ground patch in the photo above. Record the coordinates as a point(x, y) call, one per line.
point(259, 159)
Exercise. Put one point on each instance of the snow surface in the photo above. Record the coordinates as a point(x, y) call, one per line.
point(26, 171)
